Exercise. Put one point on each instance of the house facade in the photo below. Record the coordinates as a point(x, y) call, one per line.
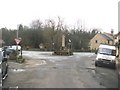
point(117, 38)
point(101, 38)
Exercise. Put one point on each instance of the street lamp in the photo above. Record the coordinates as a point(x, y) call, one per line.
point(53, 45)
point(69, 44)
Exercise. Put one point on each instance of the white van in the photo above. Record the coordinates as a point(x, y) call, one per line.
point(106, 55)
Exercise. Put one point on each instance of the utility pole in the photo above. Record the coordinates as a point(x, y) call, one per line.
point(112, 32)
point(17, 44)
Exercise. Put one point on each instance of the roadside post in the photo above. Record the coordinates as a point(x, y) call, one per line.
point(17, 40)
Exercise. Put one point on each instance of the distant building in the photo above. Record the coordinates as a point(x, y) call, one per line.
point(101, 38)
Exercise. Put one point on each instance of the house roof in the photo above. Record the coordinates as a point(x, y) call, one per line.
point(106, 36)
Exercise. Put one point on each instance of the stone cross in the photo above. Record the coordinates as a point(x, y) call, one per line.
point(63, 40)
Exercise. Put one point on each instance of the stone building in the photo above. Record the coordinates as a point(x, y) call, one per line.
point(101, 38)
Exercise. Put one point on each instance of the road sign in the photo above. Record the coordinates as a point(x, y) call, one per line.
point(17, 40)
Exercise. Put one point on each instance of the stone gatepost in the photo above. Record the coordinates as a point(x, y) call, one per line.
point(63, 42)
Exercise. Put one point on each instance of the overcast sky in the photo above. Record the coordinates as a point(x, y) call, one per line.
point(101, 14)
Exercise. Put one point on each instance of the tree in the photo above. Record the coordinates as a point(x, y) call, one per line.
point(20, 27)
point(36, 24)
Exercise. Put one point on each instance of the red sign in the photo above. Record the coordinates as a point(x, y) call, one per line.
point(17, 40)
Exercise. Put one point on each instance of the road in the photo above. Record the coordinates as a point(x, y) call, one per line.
point(43, 70)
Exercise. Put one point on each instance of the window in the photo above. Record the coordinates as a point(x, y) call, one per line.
point(96, 41)
point(108, 42)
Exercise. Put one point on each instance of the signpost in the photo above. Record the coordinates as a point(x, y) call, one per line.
point(17, 40)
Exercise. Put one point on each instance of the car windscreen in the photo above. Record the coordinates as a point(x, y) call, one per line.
point(107, 51)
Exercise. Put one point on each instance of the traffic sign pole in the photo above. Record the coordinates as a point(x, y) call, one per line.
point(17, 40)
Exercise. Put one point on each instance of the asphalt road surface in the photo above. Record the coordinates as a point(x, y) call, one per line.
point(43, 70)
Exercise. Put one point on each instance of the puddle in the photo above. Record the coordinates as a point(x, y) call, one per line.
point(42, 63)
point(54, 67)
point(103, 73)
point(18, 70)
point(93, 71)
point(92, 68)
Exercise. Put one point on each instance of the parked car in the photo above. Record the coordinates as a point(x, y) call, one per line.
point(15, 47)
point(8, 50)
point(106, 55)
point(3, 64)
point(0, 71)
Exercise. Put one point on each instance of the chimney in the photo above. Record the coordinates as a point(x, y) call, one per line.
point(112, 31)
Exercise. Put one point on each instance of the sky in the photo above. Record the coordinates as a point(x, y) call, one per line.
point(101, 14)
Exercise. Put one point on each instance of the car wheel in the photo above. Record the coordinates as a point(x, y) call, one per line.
point(6, 73)
point(6, 69)
point(97, 64)
point(114, 66)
